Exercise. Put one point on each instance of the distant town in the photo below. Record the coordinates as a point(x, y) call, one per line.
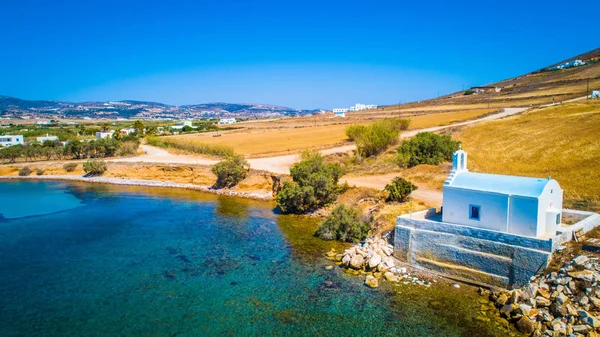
point(14, 108)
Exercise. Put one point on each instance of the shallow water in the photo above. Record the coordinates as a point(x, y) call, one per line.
point(141, 261)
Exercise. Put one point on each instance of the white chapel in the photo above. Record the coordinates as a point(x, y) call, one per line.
point(517, 205)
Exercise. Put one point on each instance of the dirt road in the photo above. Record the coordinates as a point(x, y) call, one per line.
point(282, 164)
point(429, 196)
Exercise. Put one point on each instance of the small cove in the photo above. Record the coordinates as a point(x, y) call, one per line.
point(152, 261)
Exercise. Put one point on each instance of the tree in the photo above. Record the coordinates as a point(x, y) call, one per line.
point(105, 126)
point(11, 153)
point(399, 189)
point(427, 148)
point(187, 128)
point(74, 148)
point(230, 171)
point(95, 167)
point(315, 184)
point(343, 224)
point(139, 127)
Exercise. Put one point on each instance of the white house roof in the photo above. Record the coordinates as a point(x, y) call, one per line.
point(512, 185)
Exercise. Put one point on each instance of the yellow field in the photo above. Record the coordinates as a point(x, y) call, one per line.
point(290, 140)
point(562, 142)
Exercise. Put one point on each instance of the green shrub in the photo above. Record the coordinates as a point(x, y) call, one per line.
point(39, 171)
point(95, 167)
point(128, 148)
point(399, 189)
point(469, 92)
point(375, 138)
point(230, 171)
point(426, 148)
point(343, 224)
point(354, 131)
point(70, 167)
point(190, 146)
point(315, 184)
point(24, 171)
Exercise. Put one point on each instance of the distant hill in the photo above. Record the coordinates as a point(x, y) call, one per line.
point(538, 87)
point(20, 108)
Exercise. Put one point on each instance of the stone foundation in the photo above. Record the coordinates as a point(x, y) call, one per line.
point(481, 255)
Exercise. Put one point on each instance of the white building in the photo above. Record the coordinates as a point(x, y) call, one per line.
point(341, 110)
point(517, 205)
point(47, 137)
point(107, 134)
point(11, 140)
point(185, 123)
point(43, 123)
point(339, 114)
point(356, 107)
point(223, 121)
point(127, 131)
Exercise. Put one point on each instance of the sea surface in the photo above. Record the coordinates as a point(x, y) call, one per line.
point(97, 260)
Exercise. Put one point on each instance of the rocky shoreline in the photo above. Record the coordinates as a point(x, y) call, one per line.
point(562, 303)
point(145, 183)
point(373, 259)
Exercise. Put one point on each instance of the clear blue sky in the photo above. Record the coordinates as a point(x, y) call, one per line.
point(301, 54)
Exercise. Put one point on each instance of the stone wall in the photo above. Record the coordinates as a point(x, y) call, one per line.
point(481, 255)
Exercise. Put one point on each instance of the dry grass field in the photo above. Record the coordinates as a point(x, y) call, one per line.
point(561, 141)
point(282, 137)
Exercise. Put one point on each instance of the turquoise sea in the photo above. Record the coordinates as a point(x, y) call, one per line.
point(96, 260)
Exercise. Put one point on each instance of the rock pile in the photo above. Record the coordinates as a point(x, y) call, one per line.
point(373, 258)
point(563, 303)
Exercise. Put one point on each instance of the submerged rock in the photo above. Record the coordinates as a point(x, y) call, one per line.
point(371, 281)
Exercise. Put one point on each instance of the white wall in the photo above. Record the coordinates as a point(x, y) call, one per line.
point(493, 212)
point(551, 197)
point(523, 216)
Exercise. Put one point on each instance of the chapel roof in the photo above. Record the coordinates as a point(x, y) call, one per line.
point(502, 184)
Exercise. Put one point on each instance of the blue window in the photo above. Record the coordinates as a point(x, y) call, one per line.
point(474, 212)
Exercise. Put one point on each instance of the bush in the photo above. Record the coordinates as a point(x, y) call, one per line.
point(426, 148)
point(70, 167)
point(230, 171)
point(39, 171)
point(315, 184)
point(354, 131)
point(377, 137)
point(343, 224)
point(469, 92)
point(24, 171)
point(399, 189)
point(128, 148)
point(95, 167)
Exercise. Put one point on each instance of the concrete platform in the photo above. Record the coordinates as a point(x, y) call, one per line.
point(481, 255)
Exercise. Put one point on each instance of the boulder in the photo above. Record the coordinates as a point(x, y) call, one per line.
point(581, 328)
point(543, 293)
point(357, 261)
point(593, 321)
point(562, 298)
point(346, 260)
point(580, 260)
point(391, 277)
point(374, 261)
point(371, 281)
point(507, 310)
point(585, 275)
point(525, 325)
point(558, 310)
point(542, 302)
point(501, 300)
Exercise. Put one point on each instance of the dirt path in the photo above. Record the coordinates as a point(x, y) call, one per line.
point(282, 164)
point(429, 196)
